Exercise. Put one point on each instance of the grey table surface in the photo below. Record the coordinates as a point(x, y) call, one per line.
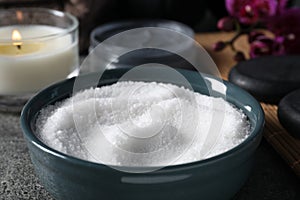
point(271, 177)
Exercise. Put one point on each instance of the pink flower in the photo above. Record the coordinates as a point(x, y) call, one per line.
point(226, 24)
point(281, 5)
point(253, 35)
point(264, 45)
point(282, 22)
point(219, 46)
point(251, 11)
point(287, 26)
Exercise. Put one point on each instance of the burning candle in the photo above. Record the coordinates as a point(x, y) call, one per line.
point(17, 48)
point(34, 55)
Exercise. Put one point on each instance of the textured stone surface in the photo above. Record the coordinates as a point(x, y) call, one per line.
point(17, 178)
point(271, 178)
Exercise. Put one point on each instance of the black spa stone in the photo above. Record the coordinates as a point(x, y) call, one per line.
point(268, 78)
point(289, 113)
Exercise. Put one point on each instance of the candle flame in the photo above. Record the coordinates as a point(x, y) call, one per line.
point(16, 36)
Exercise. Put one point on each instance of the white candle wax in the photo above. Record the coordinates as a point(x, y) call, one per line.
point(35, 63)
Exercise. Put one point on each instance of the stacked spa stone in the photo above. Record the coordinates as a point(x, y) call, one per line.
point(273, 79)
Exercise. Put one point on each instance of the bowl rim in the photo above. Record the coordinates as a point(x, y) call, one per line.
point(33, 139)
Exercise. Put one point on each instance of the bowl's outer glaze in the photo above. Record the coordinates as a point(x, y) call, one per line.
point(66, 177)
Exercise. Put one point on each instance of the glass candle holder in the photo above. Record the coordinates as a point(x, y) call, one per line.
point(37, 47)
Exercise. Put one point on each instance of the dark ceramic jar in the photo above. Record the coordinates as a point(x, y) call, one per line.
point(146, 55)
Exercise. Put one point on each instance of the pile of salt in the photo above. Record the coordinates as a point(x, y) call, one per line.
point(142, 124)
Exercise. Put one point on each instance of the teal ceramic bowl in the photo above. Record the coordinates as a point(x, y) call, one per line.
point(66, 177)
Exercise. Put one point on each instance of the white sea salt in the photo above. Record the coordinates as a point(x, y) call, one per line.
point(142, 124)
